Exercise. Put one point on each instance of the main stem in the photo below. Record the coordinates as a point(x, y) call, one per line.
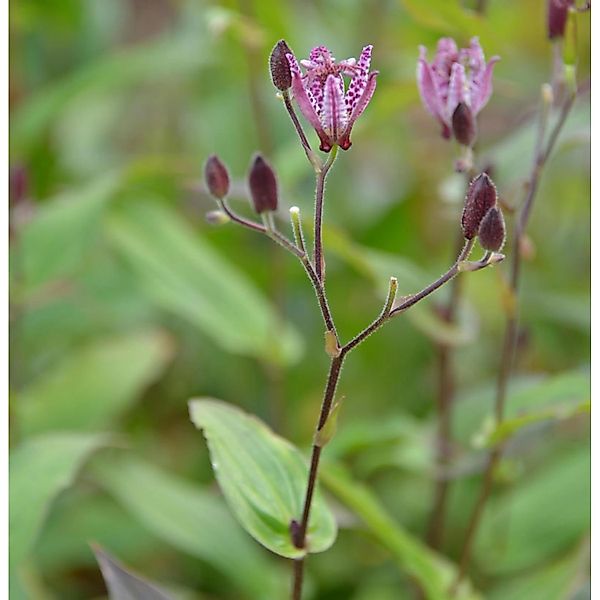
point(511, 328)
point(319, 193)
point(335, 369)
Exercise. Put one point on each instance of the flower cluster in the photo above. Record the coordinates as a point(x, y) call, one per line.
point(455, 86)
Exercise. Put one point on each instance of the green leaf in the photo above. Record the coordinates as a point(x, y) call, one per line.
point(124, 585)
point(510, 427)
point(183, 274)
point(263, 478)
point(432, 571)
point(191, 520)
point(448, 17)
point(39, 469)
point(553, 581)
point(526, 396)
point(93, 385)
point(552, 505)
point(58, 238)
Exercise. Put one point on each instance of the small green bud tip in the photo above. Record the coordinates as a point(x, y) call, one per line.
point(492, 231)
point(281, 74)
point(216, 217)
point(481, 196)
point(263, 185)
point(216, 177)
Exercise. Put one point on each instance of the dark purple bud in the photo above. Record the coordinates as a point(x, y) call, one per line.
point(464, 125)
point(558, 11)
point(481, 196)
point(492, 231)
point(263, 185)
point(216, 177)
point(279, 66)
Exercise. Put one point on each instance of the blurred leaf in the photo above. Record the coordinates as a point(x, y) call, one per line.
point(190, 519)
point(39, 469)
point(263, 478)
point(550, 582)
point(551, 505)
point(186, 276)
point(507, 155)
point(525, 396)
point(58, 238)
point(432, 572)
point(92, 386)
point(82, 515)
point(122, 584)
point(448, 17)
point(510, 427)
point(166, 57)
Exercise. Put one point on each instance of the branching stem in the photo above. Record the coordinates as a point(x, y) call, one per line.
point(511, 327)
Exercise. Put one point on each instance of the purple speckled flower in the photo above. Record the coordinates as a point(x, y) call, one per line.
point(454, 77)
point(322, 98)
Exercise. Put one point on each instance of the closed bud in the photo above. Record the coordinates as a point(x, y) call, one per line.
point(279, 66)
point(492, 231)
point(464, 125)
point(216, 177)
point(558, 12)
point(481, 196)
point(263, 185)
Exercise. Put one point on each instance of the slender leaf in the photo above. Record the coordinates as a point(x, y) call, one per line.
point(433, 572)
point(263, 478)
point(191, 520)
point(93, 386)
point(58, 238)
point(39, 469)
point(183, 274)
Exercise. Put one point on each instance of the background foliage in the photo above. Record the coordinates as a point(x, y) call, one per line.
point(125, 303)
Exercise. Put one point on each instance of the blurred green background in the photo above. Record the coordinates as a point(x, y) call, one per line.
point(125, 303)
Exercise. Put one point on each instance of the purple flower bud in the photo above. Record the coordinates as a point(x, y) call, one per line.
point(481, 197)
point(558, 11)
point(464, 126)
point(492, 231)
point(263, 185)
point(281, 75)
point(216, 177)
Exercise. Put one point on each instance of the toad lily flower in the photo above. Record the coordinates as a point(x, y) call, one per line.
point(322, 98)
point(455, 77)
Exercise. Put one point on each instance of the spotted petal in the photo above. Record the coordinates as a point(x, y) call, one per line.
point(359, 80)
point(334, 116)
point(362, 103)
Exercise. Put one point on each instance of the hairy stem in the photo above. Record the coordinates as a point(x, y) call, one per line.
point(319, 194)
point(312, 157)
point(511, 327)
